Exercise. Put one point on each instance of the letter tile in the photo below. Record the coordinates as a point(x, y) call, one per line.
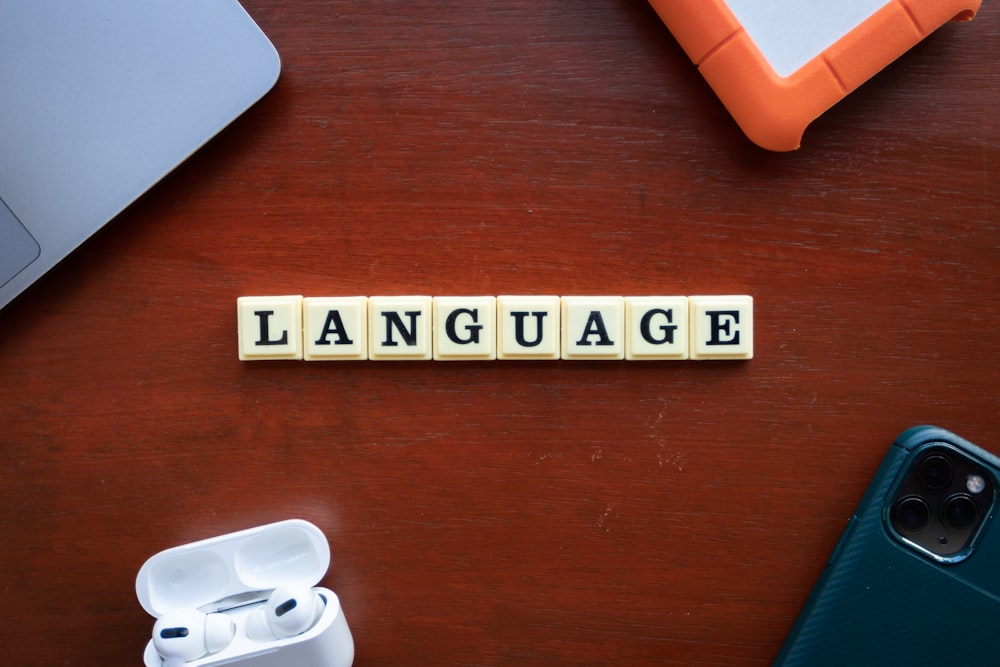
point(656, 327)
point(400, 328)
point(593, 327)
point(721, 327)
point(528, 327)
point(336, 328)
point(269, 327)
point(465, 328)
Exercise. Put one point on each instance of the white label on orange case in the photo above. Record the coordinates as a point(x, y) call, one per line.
point(790, 33)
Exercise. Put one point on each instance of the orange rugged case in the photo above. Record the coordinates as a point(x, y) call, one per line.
point(774, 110)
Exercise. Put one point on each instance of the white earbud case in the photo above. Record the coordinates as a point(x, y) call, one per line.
point(234, 574)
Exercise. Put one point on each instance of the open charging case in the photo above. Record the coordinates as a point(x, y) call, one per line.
point(234, 574)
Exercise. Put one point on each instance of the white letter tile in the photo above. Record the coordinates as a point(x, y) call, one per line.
point(465, 328)
point(593, 327)
point(721, 327)
point(527, 327)
point(657, 327)
point(399, 328)
point(336, 328)
point(269, 327)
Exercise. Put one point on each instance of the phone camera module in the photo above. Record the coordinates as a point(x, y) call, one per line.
point(911, 514)
point(941, 501)
point(935, 472)
point(959, 512)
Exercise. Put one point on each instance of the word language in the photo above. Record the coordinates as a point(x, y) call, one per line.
point(469, 328)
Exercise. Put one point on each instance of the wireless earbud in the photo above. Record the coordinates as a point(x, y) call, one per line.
point(289, 611)
point(187, 634)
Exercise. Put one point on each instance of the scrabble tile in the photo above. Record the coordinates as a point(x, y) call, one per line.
point(593, 327)
point(528, 327)
point(335, 328)
point(465, 328)
point(721, 327)
point(657, 327)
point(269, 327)
point(400, 328)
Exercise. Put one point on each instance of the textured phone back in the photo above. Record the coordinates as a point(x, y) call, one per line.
point(880, 603)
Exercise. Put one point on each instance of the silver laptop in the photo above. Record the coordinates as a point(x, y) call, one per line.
point(99, 99)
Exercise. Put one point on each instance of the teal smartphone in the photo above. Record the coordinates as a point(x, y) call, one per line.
point(915, 577)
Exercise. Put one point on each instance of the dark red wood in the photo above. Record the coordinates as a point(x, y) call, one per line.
point(507, 513)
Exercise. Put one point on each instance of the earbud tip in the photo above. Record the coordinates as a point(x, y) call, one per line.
point(219, 632)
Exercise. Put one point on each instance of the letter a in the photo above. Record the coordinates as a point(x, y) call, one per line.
point(595, 327)
point(334, 325)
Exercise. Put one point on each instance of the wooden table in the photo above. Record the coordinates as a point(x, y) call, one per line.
point(508, 513)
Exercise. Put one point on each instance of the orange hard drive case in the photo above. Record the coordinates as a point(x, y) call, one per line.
point(774, 110)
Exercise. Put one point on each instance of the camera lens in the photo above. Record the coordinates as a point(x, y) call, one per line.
point(911, 514)
point(959, 512)
point(935, 472)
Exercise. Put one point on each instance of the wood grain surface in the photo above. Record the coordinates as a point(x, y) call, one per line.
point(508, 513)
